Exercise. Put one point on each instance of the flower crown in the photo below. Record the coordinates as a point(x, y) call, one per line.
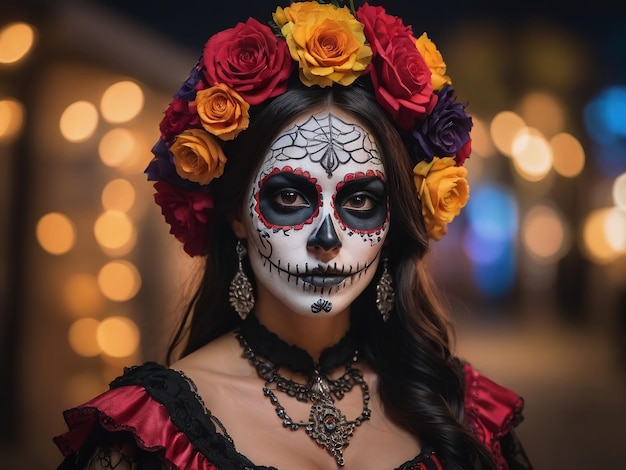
point(329, 45)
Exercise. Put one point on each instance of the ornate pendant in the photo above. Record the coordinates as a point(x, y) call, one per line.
point(329, 427)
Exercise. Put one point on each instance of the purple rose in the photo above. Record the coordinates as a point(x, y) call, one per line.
point(187, 90)
point(445, 130)
point(162, 168)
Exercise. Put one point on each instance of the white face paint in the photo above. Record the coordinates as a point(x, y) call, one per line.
point(318, 214)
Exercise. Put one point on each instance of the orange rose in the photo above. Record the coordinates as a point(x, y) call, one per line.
point(327, 42)
point(434, 60)
point(444, 191)
point(223, 112)
point(198, 156)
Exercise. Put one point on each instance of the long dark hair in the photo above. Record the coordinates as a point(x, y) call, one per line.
point(420, 382)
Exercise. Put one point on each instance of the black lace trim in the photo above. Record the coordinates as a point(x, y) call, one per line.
point(268, 345)
point(120, 449)
point(187, 411)
point(425, 457)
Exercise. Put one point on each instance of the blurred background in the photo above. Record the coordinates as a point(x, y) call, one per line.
point(534, 269)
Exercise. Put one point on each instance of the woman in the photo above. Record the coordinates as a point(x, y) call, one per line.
point(309, 163)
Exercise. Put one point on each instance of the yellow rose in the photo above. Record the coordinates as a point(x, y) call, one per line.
point(444, 191)
point(223, 112)
point(297, 10)
point(279, 17)
point(327, 42)
point(198, 156)
point(434, 60)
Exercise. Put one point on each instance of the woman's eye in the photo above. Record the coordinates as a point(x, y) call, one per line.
point(291, 198)
point(360, 202)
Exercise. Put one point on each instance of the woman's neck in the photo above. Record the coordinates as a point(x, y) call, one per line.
point(311, 333)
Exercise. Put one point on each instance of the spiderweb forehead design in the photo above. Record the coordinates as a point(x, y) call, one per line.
point(326, 140)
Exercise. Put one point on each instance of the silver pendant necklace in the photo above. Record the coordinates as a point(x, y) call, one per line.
point(327, 425)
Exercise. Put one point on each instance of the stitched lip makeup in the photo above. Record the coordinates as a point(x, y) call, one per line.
point(327, 277)
point(323, 280)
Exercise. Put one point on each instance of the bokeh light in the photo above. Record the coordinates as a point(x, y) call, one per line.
point(532, 155)
point(11, 118)
point(79, 121)
point(82, 337)
point(542, 111)
point(56, 233)
point(115, 231)
point(619, 191)
point(505, 127)
point(490, 241)
point(134, 160)
point(492, 212)
point(81, 295)
point(116, 147)
point(605, 115)
point(597, 244)
point(122, 102)
point(544, 233)
point(481, 140)
point(568, 155)
point(119, 280)
point(16, 41)
point(605, 122)
point(118, 336)
point(615, 229)
point(119, 195)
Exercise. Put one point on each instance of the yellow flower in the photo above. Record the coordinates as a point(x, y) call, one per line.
point(327, 42)
point(198, 156)
point(444, 191)
point(223, 112)
point(434, 60)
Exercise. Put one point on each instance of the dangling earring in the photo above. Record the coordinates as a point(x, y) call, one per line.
point(384, 293)
point(240, 291)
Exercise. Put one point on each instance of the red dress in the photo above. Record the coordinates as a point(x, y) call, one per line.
point(167, 425)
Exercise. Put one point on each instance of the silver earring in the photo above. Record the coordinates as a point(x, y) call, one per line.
point(240, 292)
point(384, 293)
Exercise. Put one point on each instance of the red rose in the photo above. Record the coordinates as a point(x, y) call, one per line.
point(187, 213)
point(463, 153)
point(379, 26)
point(400, 75)
point(250, 59)
point(178, 117)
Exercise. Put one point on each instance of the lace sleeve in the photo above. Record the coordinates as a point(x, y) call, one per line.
point(112, 450)
point(117, 457)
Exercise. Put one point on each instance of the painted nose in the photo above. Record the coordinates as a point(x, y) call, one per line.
point(325, 237)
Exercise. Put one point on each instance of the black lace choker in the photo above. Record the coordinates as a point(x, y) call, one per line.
point(327, 425)
point(268, 345)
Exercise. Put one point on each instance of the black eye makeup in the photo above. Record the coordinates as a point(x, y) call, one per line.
point(288, 199)
point(361, 203)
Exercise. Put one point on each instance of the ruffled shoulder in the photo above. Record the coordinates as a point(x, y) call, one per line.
point(491, 410)
point(129, 407)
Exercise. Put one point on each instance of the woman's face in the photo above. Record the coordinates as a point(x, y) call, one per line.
point(317, 214)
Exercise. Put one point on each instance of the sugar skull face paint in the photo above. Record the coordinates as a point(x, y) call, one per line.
point(318, 214)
